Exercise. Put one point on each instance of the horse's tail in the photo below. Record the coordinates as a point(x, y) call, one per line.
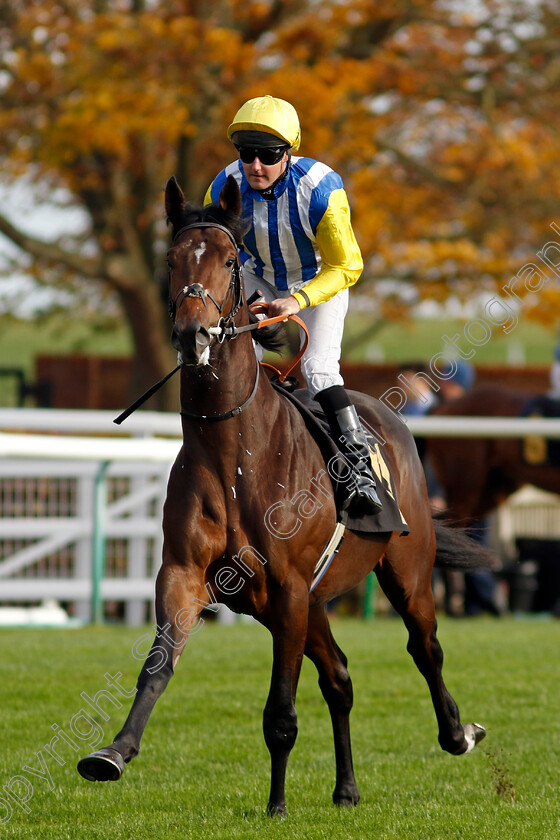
point(456, 550)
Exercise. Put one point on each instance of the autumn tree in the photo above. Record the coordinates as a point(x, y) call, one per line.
point(442, 121)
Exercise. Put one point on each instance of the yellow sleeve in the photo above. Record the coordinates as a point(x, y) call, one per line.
point(208, 196)
point(341, 258)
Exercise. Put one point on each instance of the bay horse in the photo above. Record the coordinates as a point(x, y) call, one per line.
point(239, 521)
point(478, 474)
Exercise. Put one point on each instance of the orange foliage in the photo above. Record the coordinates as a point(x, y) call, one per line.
point(444, 124)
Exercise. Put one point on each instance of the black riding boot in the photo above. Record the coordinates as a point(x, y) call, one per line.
point(361, 495)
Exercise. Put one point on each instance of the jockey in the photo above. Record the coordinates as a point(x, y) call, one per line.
point(301, 252)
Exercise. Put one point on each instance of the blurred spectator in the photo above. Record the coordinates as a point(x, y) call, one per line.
point(464, 593)
point(555, 372)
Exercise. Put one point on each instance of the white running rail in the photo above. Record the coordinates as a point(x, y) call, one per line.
point(81, 501)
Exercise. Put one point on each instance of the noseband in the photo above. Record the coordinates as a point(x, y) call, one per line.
point(198, 290)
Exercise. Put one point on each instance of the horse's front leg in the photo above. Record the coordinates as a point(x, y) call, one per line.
point(180, 597)
point(336, 687)
point(288, 628)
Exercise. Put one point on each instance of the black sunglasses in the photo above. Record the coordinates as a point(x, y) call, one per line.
point(267, 155)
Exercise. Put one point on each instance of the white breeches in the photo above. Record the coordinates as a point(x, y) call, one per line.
point(325, 322)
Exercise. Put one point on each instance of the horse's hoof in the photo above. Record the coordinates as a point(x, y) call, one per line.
point(474, 733)
point(346, 798)
point(105, 765)
point(346, 801)
point(276, 810)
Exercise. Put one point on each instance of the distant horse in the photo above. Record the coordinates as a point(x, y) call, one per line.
point(239, 519)
point(478, 474)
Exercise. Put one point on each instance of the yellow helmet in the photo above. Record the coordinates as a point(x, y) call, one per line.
point(271, 115)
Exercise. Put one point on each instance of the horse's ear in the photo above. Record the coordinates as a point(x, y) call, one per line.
point(230, 196)
point(174, 202)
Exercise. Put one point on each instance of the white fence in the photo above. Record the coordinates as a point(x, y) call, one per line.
point(59, 540)
point(528, 513)
point(80, 516)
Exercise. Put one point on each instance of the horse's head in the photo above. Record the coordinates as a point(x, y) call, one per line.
point(205, 287)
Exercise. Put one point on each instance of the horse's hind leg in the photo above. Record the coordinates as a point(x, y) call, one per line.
point(336, 687)
point(177, 608)
point(408, 587)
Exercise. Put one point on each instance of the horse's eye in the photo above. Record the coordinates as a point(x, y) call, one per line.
point(230, 262)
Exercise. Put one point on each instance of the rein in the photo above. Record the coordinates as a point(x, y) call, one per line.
point(224, 329)
point(227, 414)
point(263, 307)
point(265, 322)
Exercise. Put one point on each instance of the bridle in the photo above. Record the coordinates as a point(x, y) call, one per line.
point(197, 289)
point(225, 328)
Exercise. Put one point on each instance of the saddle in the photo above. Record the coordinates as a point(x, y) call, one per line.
point(538, 450)
point(390, 517)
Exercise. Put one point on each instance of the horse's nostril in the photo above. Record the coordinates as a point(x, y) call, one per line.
point(192, 341)
point(202, 338)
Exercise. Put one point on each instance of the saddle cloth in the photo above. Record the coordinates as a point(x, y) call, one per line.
point(390, 518)
point(538, 450)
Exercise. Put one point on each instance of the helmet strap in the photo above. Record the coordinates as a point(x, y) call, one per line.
point(268, 193)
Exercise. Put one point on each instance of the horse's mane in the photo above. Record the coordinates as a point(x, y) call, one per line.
point(272, 338)
point(192, 213)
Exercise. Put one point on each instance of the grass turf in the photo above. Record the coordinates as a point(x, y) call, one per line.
point(204, 770)
point(528, 343)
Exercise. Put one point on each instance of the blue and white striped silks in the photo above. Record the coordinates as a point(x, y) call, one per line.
point(281, 245)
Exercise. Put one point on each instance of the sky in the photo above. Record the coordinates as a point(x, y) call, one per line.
point(47, 220)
